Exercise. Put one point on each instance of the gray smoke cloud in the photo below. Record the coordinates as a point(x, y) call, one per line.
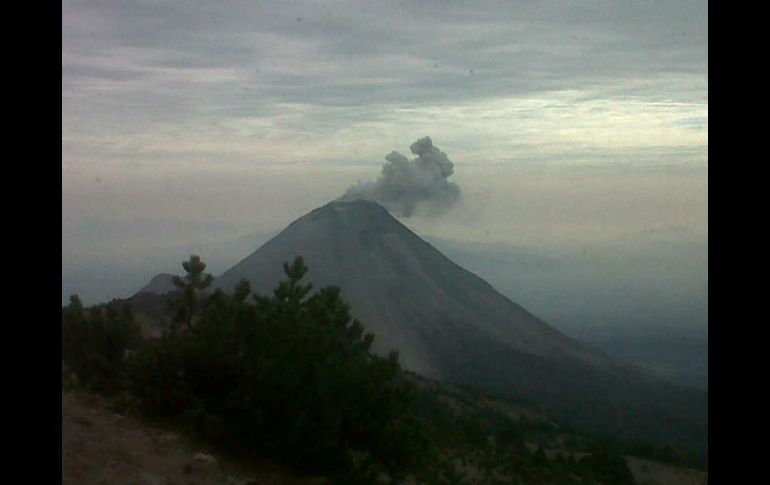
point(406, 186)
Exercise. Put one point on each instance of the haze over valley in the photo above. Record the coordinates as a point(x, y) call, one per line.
point(569, 243)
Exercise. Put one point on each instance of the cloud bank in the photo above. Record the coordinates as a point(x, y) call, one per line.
point(193, 81)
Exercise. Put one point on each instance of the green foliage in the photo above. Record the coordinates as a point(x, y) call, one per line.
point(242, 291)
point(190, 286)
point(291, 376)
point(95, 343)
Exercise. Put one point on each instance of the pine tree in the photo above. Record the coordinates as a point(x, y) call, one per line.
point(191, 286)
point(242, 291)
point(291, 291)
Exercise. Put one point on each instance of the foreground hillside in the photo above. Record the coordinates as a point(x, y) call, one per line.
point(101, 446)
point(291, 378)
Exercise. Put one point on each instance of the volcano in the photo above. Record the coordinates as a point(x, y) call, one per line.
point(442, 319)
point(448, 324)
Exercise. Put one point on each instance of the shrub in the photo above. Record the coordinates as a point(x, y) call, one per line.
point(290, 375)
point(96, 343)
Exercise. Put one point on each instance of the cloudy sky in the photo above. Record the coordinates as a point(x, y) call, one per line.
point(571, 124)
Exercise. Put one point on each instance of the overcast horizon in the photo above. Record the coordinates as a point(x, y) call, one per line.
point(574, 127)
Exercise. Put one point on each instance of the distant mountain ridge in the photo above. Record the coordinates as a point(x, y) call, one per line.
point(160, 284)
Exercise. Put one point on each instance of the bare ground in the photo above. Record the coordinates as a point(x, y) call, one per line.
point(647, 472)
point(101, 447)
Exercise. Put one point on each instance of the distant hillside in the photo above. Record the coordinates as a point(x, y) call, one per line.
point(160, 284)
point(562, 287)
point(681, 357)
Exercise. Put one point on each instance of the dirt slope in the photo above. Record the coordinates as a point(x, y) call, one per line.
point(101, 447)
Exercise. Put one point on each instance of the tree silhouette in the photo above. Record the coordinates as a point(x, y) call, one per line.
point(95, 342)
point(191, 286)
point(291, 291)
point(242, 291)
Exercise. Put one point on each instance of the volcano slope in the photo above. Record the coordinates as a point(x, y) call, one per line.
point(449, 324)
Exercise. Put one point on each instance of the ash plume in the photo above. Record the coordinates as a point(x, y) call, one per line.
point(406, 186)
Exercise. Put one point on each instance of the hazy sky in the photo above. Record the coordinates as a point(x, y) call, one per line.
point(571, 124)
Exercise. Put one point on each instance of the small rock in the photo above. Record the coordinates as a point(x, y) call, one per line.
point(203, 458)
point(201, 464)
point(167, 440)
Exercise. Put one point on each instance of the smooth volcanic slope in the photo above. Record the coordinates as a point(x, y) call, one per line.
point(160, 284)
point(449, 324)
point(413, 298)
